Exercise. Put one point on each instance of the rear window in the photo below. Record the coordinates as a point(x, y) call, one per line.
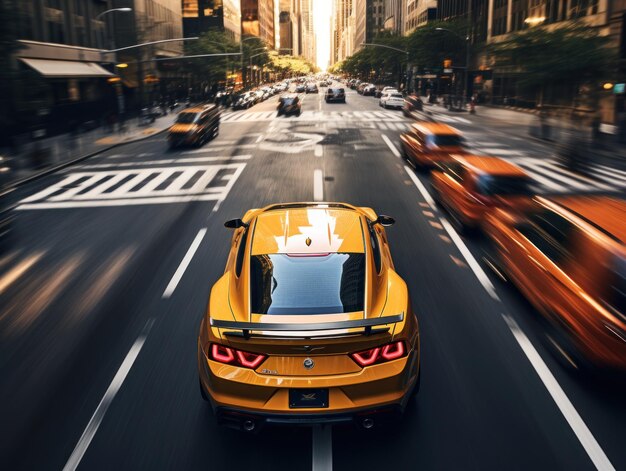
point(320, 284)
point(287, 100)
point(491, 185)
point(445, 140)
point(186, 118)
point(395, 95)
point(336, 90)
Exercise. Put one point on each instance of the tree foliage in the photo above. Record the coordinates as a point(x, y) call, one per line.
point(291, 65)
point(572, 53)
point(428, 47)
point(212, 69)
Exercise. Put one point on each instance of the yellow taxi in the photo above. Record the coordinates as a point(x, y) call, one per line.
point(428, 143)
point(194, 126)
point(469, 186)
point(310, 323)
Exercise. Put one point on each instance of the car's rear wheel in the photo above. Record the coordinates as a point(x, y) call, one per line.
point(202, 391)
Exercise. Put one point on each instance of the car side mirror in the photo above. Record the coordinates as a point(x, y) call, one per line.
point(235, 224)
point(385, 220)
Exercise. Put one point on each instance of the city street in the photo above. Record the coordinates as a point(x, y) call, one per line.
point(108, 275)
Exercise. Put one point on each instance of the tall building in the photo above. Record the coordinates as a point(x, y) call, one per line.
point(343, 30)
point(59, 77)
point(418, 13)
point(287, 42)
point(258, 19)
point(473, 11)
point(146, 80)
point(369, 20)
point(394, 16)
point(200, 16)
point(307, 48)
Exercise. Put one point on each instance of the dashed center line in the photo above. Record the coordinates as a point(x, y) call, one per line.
point(318, 185)
point(171, 287)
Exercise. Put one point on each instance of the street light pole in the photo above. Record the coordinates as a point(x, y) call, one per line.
point(250, 58)
point(241, 60)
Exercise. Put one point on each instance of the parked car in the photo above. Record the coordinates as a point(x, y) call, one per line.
point(470, 186)
point(391, 100)
point(427, 144)
point(380, 91)
point(300, 88)
point(335, 95)
point(289, 104)
point(567, 256)
point(369, 90)
point(243, 101)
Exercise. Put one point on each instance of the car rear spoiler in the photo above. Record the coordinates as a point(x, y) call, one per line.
point(243, 329)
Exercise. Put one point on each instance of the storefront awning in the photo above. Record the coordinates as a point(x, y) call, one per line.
point(66, 69)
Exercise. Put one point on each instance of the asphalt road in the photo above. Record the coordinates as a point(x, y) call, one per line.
point(104, 286)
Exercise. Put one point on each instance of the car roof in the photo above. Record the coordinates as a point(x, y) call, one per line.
point(326, 228)
point(605, 213)
point(491, 165)
point(435, 128)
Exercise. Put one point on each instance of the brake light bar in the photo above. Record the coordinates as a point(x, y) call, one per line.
point(232, 356)
point(373, 356)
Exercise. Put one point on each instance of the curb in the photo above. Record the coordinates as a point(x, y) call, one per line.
point(69, 163)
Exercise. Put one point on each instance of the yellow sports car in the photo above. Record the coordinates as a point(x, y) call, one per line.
point(309, 323)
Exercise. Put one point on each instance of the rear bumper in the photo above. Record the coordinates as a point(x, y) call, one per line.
point(380, 390)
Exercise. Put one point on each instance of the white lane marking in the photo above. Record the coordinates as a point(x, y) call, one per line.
point(318, 185)
point(18, 270)
point(171, 287)
point(322, 448)
point(319, 151)
point(107, 399)
point(391, 146)
point(422, 189)
point(584, 435)
point(259, 139)
point(471, 261)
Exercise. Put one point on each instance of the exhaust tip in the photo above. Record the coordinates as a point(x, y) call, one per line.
point(248, 425)
point(367, 424)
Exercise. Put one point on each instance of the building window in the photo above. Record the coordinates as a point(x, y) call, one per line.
point(55, 22)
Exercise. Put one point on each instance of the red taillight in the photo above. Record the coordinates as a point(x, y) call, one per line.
point(249, 360)
point(222, 354)
point(232, 356)
point(391, 351)
point(367, 357)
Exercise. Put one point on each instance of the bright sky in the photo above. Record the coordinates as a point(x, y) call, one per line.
point(321, 24)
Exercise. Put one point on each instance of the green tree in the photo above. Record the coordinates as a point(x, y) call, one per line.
point(573, 57)
point(428, 47)
point(212, 69)
point(286, 65)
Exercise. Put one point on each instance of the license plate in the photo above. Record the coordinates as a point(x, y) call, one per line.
point(308, 398)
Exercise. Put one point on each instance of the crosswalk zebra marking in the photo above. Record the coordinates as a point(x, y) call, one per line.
point(139, 186)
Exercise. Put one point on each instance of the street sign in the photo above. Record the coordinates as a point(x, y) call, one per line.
point(619, 88)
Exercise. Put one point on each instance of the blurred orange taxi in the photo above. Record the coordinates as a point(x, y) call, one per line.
point(568, 257)
point(469, 186)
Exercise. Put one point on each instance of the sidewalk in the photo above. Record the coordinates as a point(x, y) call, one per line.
point(40, 156)
point(606, 147)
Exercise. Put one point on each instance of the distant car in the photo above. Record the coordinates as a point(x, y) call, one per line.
point(312, 88)
point(380, 91)
point(242, 102)
point(323, 83)
point(300, 88)
point(361, 87)
point(391, 100)
point(309, 323)
point(289, 104)
point(369, 90)
point(335, 95)
point(195, 126)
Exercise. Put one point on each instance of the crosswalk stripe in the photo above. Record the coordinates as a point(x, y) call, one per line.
point(609, 175)
point(578, 181)
point(382, 126)
point(613, 170)
point(546, 182)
